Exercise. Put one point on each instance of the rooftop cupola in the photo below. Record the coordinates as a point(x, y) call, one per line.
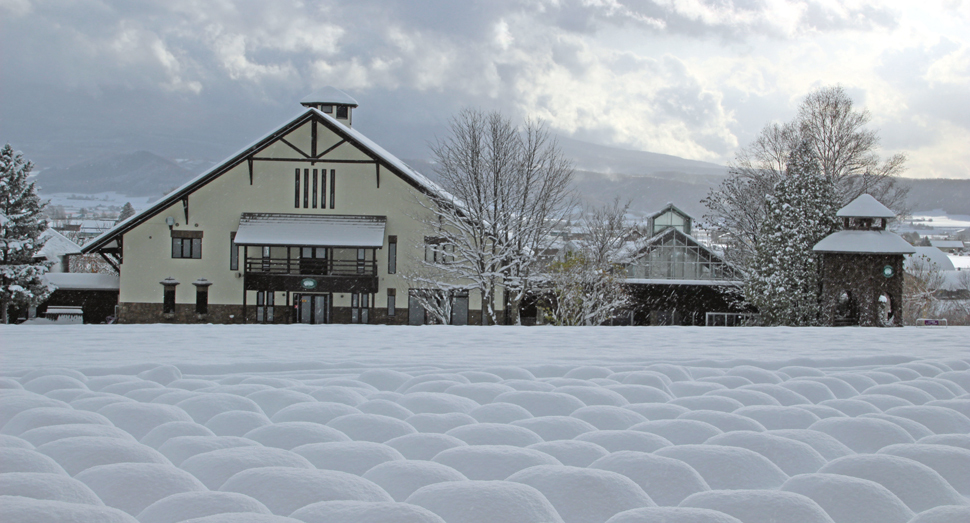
point(865, 213)
point(333, 102)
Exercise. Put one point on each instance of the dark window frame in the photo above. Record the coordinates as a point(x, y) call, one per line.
point(333, 187)
point(296, 184)
point(392, 302)
point(343, 112)
point(392, 254)
point(186, 247)
point(233, 252)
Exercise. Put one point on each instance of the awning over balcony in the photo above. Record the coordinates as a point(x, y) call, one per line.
point(311, 230)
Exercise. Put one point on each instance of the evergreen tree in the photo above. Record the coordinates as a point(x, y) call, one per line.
point(126, 212)
point(784, 283)
point(21, 224)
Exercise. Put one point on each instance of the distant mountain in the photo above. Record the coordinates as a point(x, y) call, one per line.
point(953, 196)
point(134, 174)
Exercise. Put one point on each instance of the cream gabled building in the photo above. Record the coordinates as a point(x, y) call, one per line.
point(312, 223)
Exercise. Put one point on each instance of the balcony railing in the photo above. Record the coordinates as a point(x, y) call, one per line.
point(311, 267)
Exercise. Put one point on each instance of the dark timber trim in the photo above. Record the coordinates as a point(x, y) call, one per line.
point(185, 207)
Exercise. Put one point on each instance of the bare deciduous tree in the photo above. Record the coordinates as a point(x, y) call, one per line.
point(507, 189)
point(846, 153)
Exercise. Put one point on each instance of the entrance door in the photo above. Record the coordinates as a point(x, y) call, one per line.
point(313, 308)
point(459, 310)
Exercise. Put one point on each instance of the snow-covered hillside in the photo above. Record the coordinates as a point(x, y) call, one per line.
point(274, 424)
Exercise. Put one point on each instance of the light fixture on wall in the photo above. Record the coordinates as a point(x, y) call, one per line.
point(170, 222)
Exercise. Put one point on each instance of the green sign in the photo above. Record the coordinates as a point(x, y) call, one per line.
point(308, 283)
point(888, 271)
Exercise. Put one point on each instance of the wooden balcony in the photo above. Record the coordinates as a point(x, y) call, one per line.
point(310, 275)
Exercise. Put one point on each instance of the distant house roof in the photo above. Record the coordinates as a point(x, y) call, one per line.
point(381, 156)
point(310, 230)
point(865, 242)
point(80, 281)
point(947, 244)
point(56, 246)
point(931, 254)
point(329, 95)
point(865, 206)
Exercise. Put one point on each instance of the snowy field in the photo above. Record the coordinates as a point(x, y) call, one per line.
point(367, 424)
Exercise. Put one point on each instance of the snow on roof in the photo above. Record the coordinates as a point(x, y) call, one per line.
point(947, 244)
point(933, 255)
point(865, 206)
point(80, 281)
point(396, 164)
point(867, 242)
point(56, 245)
point(310, 230)
point(329, 95)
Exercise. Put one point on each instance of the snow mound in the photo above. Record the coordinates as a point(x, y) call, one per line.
point(582, 495)
point(319, 412)
point(617, 440)
point(242, 517)
point(671, 515)
point(944, 514)
point(916, 430)
point(529, 385)
point(588, 372)
point(436, 403)
point(851, 407)
point(815, 392)
point(755, 374)
point(352, 457)
point(181, 448)
point(274, 400)
point(27, 510)
point(829, 447)
point(883, 402)
point(203, 407)
point(362, 512)
point(510, 373)
point(679, 431)
point(213, 468)
point(792, 457)
point(47, 416)
point(166, 431)
point(439, 423)
point(918, 486)
point(45, 384)
point(724, 421)
point(495, 434)
point(18, 401)
point(952, 463)
point(667, 481)
point(480, 393)
point(13, 442)
point(382, 407)
point(492, 462)
point(863, 434)
point(640, 393)
point(162, 374)
point(371, 427)
point(760, 506)
point(572, 453)
point(401, 478)
point(384, 379)
point(746, 397)
point(56, 487)
point(42, 435)
point(478, 376)
point(684, 389)
point(139, 419)
point(10, 384)
point(655, 411)
point(495, 501)
point(95, 403)
point(708, 402)
point(730, 382)
point(290, 434)
point(83, 452)
point(847, 499)
point(961, 406)
point(954, 440)
point(133, 486)
point(900, 390)
point(649, 378)
point(191, 384)
point(605, 417)
point(785, 396)
point(53, 371)
point(840, 388)
point(284, 490)
point(337, 394)
point(822, 411)
point(27, 460)
point(728, 467)
point(189, 505)
point(552, 428)
point(594, 395)
point(69, 395)
point(940, 420)
point(423, 446)
point(499, 413)
point(961, 378)
point(128, 386)
point(174, 396)
point(236, 422)
point(541, 404)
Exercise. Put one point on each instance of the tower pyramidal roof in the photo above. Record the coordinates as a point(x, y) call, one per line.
point(865, 206)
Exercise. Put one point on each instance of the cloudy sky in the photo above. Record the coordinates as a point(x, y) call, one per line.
point(692, 78)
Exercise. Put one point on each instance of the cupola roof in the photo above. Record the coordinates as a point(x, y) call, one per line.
point(328, 95)
point(865, 206)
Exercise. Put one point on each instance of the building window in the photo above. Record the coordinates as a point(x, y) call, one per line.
point(326, 108)
point(306, 187)
point(359, 307)
point(314, 188)
point(296, 185)
point(361, 261)
point(323, 189)
point(187, 244)
point(264, 306)
point(435, 250)
point(392, 254)
point(333, 187)
point(233, 252)
point(342, 112)
point(391, 302)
